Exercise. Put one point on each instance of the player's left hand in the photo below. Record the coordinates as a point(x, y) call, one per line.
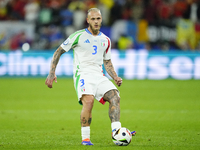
point(118, 81)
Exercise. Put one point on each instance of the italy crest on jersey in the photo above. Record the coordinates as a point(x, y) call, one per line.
point(103, 44)
point(83, 89)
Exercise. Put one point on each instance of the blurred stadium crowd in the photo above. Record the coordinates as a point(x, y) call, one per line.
point(161, 25)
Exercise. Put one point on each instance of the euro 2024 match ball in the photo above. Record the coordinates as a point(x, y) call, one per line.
point(122, 136)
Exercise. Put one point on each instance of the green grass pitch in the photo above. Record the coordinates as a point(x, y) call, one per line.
point(165, 114)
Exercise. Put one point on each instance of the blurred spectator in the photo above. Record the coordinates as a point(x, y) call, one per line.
point(197, 29)
point(120, 2)
point(165, 10)
point(197, 26)
point(77, 8)
point(107, 3)
point(23, 39)
point(130, 17)
point(18, 40)
point(193, 13)
point(185, 33)
point(150, 11)
point(125, 42)
point(79, 16)
point(90, 4)
point(117, 29)
point(137, 10)
point(66, 17)
point(77, 4)
point(180, 7)
point(3, 9)
point(31, 10)
point(55, 37)
point(4, 42)
point(50, 37)
point(127, 10)
point(115, 13)
point(55, 6)
point(16, 9)
point(193, 10)
point(43, 40)
point(45, 15)
point(132, 31)
point(105, 12)
point(157, 3)
point(142, 35)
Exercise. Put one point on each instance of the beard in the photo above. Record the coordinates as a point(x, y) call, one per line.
point(95, 31)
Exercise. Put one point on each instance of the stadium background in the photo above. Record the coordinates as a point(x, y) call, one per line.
point(155, 48)
point(162, 38)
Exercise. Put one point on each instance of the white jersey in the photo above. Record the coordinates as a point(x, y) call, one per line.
point(89, 51)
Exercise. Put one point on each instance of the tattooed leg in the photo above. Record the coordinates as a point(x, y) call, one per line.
point(114, 107)
point(86, 113)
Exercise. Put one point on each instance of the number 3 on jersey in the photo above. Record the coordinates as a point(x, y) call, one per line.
point(95, 49)
point(82, 82)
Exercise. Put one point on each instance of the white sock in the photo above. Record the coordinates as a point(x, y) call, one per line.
point(85, 132)
point(116, 125)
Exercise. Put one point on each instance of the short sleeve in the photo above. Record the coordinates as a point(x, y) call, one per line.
point(71, 41)
point(107, 54)
point(67, 44)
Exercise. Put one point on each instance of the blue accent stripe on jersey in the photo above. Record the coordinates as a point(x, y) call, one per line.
point(91, 33)
point(100, 33)
point(88, 31)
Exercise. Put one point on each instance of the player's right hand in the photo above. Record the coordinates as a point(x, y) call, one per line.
point(118, 81)
point(49, 81)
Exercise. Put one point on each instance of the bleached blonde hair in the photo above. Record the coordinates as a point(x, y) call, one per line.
point(94, 9)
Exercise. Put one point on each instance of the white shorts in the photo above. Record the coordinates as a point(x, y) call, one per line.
point(92, 84)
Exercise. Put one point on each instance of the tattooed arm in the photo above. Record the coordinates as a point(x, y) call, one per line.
point(110, 70)
point(52, 76)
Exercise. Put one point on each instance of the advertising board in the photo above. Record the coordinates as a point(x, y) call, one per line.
point(128, 65)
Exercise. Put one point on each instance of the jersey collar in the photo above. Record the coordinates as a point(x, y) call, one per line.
point(91, 33)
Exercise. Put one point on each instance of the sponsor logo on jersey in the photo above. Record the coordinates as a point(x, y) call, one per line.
point(87, 41)
point(66, 42)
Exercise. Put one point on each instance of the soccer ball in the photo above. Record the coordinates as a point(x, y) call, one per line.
point(121, 136)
